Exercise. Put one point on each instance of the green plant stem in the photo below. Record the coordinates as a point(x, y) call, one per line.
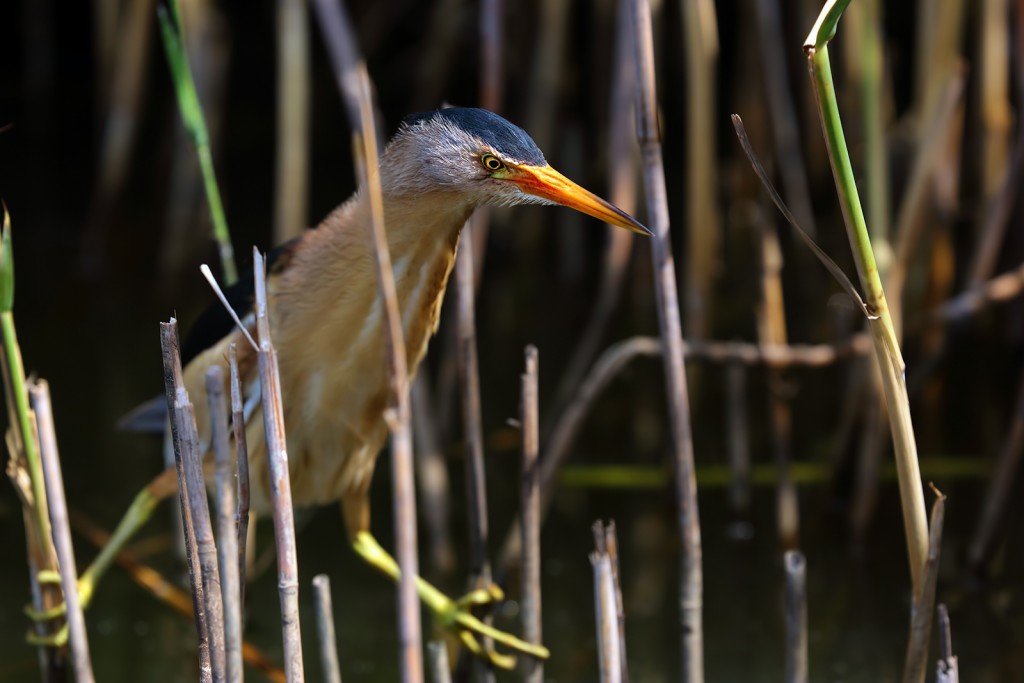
point(29, 444)
point(195, 125)
point(883, 333)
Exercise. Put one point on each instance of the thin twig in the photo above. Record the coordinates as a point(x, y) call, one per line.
point(183, 432)
point(530, 504)
point(280, 482)
point(325, 629)
point(231, 596)
point(39, 394)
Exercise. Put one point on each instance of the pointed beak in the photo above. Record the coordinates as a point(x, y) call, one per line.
point(546, 182)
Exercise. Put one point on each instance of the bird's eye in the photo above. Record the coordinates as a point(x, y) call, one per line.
point(491, 162)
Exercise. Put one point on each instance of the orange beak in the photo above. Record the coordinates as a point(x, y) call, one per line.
point(546, 182)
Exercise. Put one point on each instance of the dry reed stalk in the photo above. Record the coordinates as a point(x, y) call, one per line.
point(790, 163)
point(472, 425)
point(702, 219)
point(606, 540)
point(995, 113)
point(437, 656)
point(691, 575)
point(231, 595)
point(205, 548)
point(39, 395)
point(167, 592)
point(291, 195)
point(796, 617)
point(772, 330)
point(530, 600)
point(325, 629)
point(242, 466)
point(1000, 486)
point(619, 245)
point(609, 664)
point(280, 482)
point(947, 669)
point(432, 478)
point(737, 426)
point(546, 71)
point(183, 432)
point(354, 82)
point(923, 605)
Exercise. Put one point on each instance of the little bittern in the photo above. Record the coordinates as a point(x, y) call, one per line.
point(326, 315)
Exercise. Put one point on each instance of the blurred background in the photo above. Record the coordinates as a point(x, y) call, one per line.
point(110, 224)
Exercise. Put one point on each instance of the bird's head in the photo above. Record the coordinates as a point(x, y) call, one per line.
point(487, 160)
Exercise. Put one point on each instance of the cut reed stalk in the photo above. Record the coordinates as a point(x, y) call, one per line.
point(923, 606)
point(883, 332)
point(796, 617)
point(331, 670)
point(606, 540)
point(437, 656)
point(280, 482)
point(948, 669)
point(39, 394)
point(183, 432)
point(691, 576)
point(231, 595)
point(530, 505)
point(609, 664)
point(242, 466)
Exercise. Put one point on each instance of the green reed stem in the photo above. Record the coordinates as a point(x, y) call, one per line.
point(195, 125)
point(883, 333)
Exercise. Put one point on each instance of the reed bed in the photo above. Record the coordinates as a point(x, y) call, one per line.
point(928, 361)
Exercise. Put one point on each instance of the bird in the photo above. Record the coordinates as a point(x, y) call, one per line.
point(326, 320)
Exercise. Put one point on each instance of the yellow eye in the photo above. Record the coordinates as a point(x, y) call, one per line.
point(491, 162)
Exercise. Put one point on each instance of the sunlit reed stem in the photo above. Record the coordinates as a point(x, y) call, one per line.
point(325, 629)
point(185, 438)
point(530, 506)
point(242, 463)
point(887, 350)
point(280, 482)
point(39, 393)
point(227, 539)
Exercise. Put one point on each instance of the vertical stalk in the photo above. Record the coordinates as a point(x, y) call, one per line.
point(884, 335)
point(701, 31)
point(325, 629)
point(530, 504)
point(77, 635)
point(691, 575)
point(293, 120)
point(796, 617)
point(280, 482)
